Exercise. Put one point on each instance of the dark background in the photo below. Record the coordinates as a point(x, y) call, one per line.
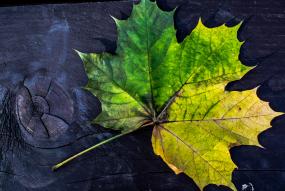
point(44, 36)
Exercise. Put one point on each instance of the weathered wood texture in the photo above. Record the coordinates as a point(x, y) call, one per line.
point(44, 36)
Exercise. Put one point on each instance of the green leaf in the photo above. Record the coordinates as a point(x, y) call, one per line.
point(179, 90)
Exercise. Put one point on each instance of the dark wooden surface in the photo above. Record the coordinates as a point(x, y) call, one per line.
point(44, 36)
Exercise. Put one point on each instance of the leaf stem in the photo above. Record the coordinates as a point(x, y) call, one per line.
point(59, 165)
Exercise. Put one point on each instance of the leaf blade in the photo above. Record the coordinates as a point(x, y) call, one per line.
point(180, 89)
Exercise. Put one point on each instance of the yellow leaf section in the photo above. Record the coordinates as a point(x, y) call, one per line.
point(196, 139)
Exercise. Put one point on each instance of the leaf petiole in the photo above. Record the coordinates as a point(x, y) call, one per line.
point(59, 165)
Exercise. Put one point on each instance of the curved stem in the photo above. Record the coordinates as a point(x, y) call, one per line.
point(57, 166)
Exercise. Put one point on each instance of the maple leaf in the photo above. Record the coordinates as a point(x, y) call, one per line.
point(179, 90)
